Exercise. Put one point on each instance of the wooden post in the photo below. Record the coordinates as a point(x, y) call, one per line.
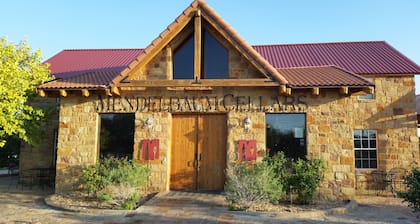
point(197, 46)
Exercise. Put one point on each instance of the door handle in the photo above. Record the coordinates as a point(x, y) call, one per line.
point(201, 156)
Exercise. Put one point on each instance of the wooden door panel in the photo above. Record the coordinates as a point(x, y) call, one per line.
point(183, 173)
point(212, 151)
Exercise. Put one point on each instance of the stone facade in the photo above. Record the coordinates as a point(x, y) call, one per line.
point(42, 155)
point(331, 119)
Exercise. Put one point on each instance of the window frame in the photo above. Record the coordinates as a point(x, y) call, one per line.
point(305, 133)
point(365, 147)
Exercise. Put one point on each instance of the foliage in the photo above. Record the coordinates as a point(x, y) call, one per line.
point(245, 186)
point(305, 177)
point(412, 196)
point(21, 71)
point(270, 180)
point(115, 180)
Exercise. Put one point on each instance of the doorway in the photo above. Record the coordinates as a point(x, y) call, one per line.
point(198, 158)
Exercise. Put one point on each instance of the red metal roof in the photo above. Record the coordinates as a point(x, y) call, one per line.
point(323, 76)
point(88, 80)
point(373, 57)
point(97, 68)
point(74, 62)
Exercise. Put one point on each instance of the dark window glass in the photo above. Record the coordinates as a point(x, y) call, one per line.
point(215, 64)
point(372, 143)
point(357, 153)
point(372, 154)
point(184, 60)
point(358, 164)
point(373, 163)
point(365, 154)
point(357, 144)
point(286, 133)
point(117, 135)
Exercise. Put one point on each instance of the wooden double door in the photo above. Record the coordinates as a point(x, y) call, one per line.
point(198, 158)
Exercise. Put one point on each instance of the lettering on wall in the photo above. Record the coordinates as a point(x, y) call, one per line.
point(207, 103)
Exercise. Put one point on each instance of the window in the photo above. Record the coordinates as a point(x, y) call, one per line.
point(214, 63)
point(369, 96)
point(184, 60)
point(365, 152)
point(117, 135)
point(286, 133)
point(215, 59)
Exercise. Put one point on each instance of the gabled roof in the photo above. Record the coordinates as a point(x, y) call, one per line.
point(372, 57)
point(322, 76)
point(210, 15)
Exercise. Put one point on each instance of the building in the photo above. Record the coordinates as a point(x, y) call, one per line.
point(200, 98)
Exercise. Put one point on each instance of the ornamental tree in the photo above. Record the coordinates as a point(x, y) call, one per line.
point(21, 71)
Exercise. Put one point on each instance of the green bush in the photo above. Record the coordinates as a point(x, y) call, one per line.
point(245, 186)
point(115, 180)
point(305, 177)
point(271, 179)
point(412, 196)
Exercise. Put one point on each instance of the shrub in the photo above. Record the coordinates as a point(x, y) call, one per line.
point(305, 178)
point(245, 186)
point(412, 196)
point(115, 180)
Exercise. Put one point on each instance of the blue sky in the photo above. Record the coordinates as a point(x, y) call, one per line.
point(54, 25)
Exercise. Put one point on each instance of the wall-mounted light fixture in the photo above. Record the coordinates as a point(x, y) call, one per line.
point(149, 123)
point(247, 124)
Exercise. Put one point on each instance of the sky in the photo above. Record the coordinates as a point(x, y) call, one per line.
point(54, 25)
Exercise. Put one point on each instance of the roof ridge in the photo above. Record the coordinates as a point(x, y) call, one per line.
point(321, 43)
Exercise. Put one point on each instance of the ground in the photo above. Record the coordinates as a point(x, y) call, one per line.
point(28, 206)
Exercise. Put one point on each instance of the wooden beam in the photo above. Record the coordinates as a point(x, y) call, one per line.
point(132, 88)
point(85, 92)
point(169, 63)
point(172, 31)
point(63, 92)
point(344, 90)
point(108, 92)
point(371, 90)
point(115, 90)
point(41, 93)
point(197, 45)
point(203, 83)
point(315, 91)
point(282, 90)
point(235, 44)
point(289, 91)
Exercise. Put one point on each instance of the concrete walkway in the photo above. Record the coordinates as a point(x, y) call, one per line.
point(28, 206)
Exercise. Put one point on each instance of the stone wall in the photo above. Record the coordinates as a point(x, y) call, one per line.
point(393, 114)
point(161, 130)
point(43, 155)
point(78, 140)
